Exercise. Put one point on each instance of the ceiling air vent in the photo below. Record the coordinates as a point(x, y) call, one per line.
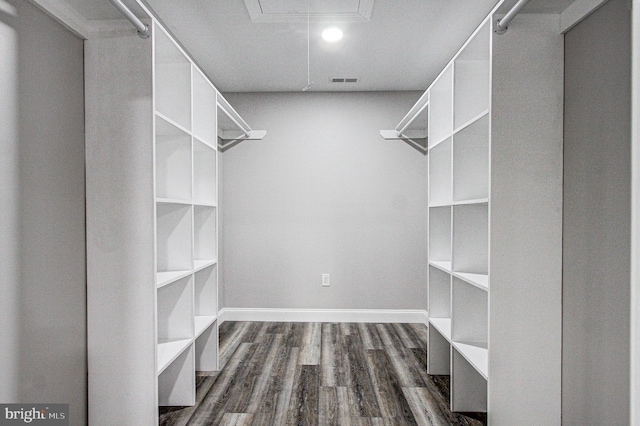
point(343, 80)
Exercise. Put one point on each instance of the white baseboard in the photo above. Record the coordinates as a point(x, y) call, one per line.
point(323, 315)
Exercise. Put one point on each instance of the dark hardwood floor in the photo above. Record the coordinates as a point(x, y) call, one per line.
point(320, 374)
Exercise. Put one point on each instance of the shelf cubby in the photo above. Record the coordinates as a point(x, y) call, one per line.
point(468, 386)
point(471, 78)
point(204, 109)
point(469, 308)
point(440, 185)
point(175, 310)
point(174, 252)
point(441, 107)
point(206, 347)
point(173, 161)
point(471, 239)
point(176, 384)
point(440, 234)
point(439, 293)
point(206, 291)
point(172, 80)
point(205, 233)
point(438, 351)
point(471, 162)
point(204, 173)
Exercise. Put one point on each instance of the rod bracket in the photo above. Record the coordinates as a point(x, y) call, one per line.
point(499, 29)
point(144, 34)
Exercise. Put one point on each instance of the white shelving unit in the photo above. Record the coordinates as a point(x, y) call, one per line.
point(495, 230)
point(152, 223)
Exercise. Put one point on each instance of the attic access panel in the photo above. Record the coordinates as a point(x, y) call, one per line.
point(273, 11)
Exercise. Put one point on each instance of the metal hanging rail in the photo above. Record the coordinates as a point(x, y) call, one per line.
point(503, 24)
point(143, 29)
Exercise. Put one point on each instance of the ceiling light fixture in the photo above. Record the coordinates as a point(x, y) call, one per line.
point(332, 34)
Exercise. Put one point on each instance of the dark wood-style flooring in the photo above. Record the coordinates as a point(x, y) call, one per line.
point(320, 374)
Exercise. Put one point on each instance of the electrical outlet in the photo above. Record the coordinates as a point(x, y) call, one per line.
point(325, 280)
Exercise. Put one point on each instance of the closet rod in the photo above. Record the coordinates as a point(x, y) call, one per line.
point(503, 24)
point(143, 30)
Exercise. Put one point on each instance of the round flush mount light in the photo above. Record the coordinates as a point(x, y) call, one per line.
point(332, 35)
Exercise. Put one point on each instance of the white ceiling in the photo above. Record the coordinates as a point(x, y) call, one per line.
point(403, 46)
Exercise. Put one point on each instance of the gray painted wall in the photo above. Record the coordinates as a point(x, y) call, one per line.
point(597, 219)
point(42, 222)
point(324, 193)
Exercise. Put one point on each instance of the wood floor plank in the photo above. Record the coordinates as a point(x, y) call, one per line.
point(230, 335)
point(410, 339)
point(361, 392)
point(213, 407)
point(369, 335)
point(236, 419)
point(180, 416)
point(305, 396)
point(388, 335)
point(391, 400)
point(424, 407)
point(310, 352)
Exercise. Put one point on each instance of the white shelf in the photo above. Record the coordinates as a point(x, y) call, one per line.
point(471, 161)
point(204, 109)
point(444, 266)
point(471, 239)
point(471, 77)
point(200, 264)
point(440, 234)
point(443, 325)
point(477, 356)
point(174, 247)
point(481, 201)
point(164, 278)
point(173, 161)
point(440, 183)
point(205, 233)
point(172, 80)
point(471, 121)
point(202, 322)
point(206, 349)
point(469, 313)
point(172, 201)
point(479, 280)
point(441, 107)
point(175, 309)
point(439, 293)
point(204, 174)
point(206, 291)
point(177, 382)
point(170, 349)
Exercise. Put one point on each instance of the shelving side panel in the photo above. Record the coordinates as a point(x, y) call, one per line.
point(471, 161)
point(205, 233)
point(439, 293)
point(177, 384)
point(440, 233)
point(469, 314)
point(438, 353)
point(472, 77)
point(204, 108)
point(471, 238)
point(441, 107)
point(440, 179)
point(204, 173)
point(120, 231)
point(173, 162)
point(173, 242)
point(526, 223)
point(172, 80)
point(468, 387)
point(206, 349)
